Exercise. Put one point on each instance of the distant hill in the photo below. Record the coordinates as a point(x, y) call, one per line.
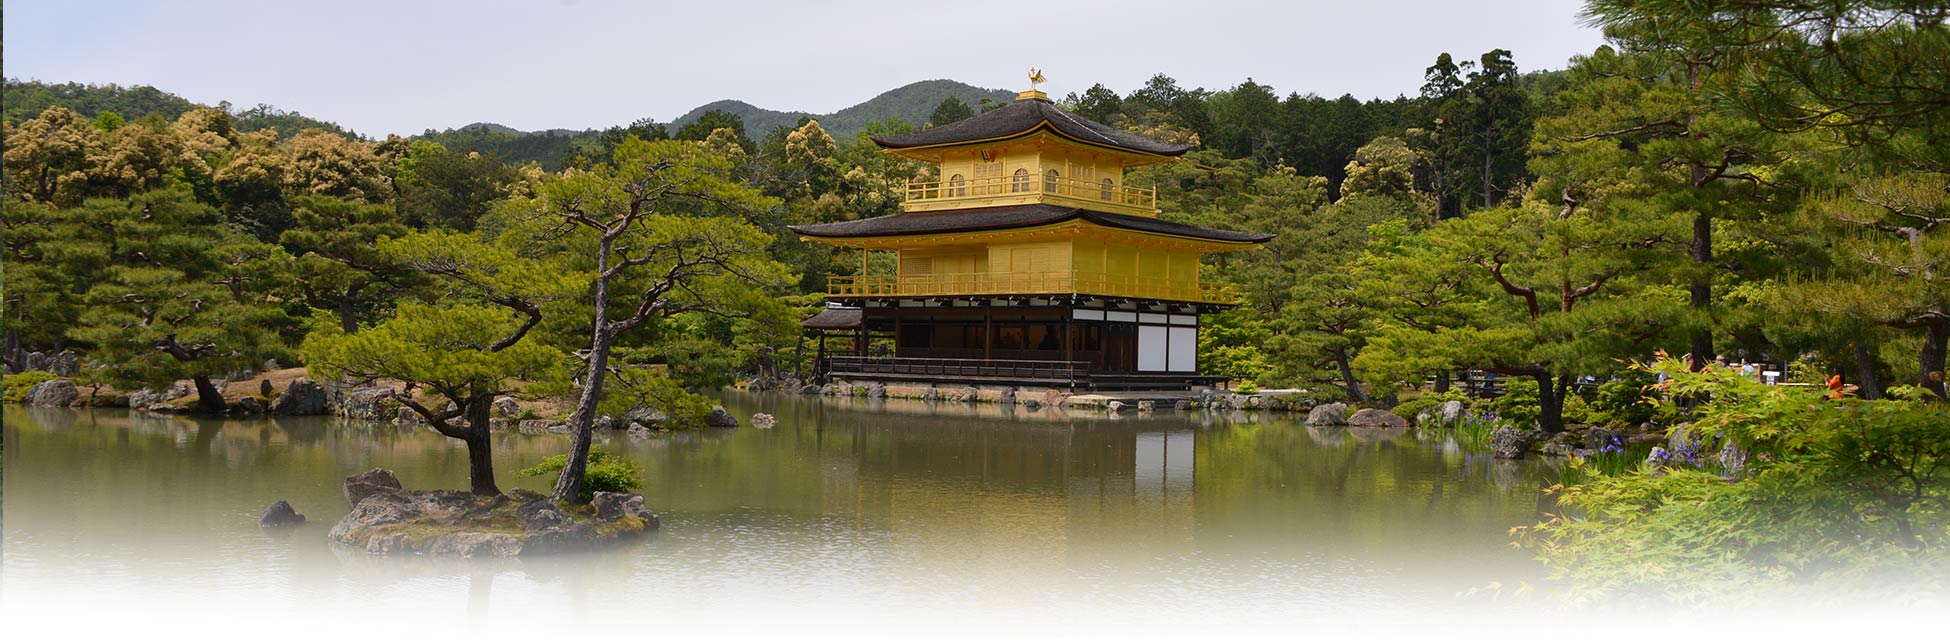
point(25, 99)
point(911, 103)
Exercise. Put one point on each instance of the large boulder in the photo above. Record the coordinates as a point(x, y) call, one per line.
point(146, 398)
point(1733, 459)
point(876, 390)
point(1508, 443)
point(1376, 418)
point(364, 485)
point(1332, 414)
point(52, 393)
point(645, 417)
point(66, 364)
point(1657, 460)
point(248, 406)
point(36, 361)
point(279, 514)
point(506, 407)
point(720, 418)
point(1561, 444)
point(612, 506)
point(542, 515)
point(367, 403)
point(302, 397)
point(1603, 440)
point(1451, 413)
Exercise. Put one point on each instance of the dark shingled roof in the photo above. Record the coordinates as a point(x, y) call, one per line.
point(1011, 217)
point(1020, 117)
point(833, 318)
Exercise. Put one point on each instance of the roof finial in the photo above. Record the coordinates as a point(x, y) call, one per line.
point(1035, 78)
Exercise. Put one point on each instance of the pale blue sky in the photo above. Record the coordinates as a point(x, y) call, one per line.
point(403, 66)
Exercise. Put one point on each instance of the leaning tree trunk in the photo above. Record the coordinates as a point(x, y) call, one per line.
point(582, 423)
point(568, 486)
point(1865, 365)
point(1347, 373)
point(480, 447)
point(209, 398)
point(1550, 400)
point(1930, 370)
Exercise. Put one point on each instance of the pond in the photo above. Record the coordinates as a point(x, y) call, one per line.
point(915, 513)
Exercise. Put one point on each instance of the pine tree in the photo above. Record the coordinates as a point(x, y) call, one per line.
point(182, 297)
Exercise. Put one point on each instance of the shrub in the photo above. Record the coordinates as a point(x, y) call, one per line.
point(15, 387)
point(1620, 402)
point(1519, 403)
point(1247, 388)
point(1430, 403)
point(1837, 494)
point(606, 472)
point(1576, 410)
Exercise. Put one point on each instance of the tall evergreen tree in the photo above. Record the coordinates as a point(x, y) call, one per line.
point(182, 296)
point(951, 109)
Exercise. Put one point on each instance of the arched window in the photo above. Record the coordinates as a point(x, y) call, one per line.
point(1020, 183)
point(1109, 189)
point(957, 186)
point(1049, 180)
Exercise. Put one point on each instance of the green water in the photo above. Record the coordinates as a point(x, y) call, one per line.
point(895, 506)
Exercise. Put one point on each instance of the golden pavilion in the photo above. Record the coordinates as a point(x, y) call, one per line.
point(1029, 262)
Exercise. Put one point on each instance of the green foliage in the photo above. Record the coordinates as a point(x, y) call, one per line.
point(1576, 409)
point(1248, 388)
point(1413, 407)
point(1620, 402)
point(632, 389)
point(16, 385)
point(951, 110)
point(607, 472)
point(449, 189)
point(1518, 404)
point(1847, 494)
point(181, 297)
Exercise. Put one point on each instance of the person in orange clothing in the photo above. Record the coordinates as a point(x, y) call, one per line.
point(1835, 387)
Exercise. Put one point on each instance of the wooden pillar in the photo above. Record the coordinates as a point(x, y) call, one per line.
point(897, 331)
point(1069, 333)
point(988, 332)
point(819, 361)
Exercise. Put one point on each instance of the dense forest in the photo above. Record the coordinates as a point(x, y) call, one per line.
point(1759, 181)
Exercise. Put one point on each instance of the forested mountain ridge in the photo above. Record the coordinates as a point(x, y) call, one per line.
point(911, 103)
point(24, 99)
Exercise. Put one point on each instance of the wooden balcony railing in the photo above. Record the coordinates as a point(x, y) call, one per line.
point(1030, 283)
point(991, 186)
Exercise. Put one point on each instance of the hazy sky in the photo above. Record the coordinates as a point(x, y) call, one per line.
point(403, 66)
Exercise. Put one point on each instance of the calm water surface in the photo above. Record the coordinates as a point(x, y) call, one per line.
point(845, 509)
